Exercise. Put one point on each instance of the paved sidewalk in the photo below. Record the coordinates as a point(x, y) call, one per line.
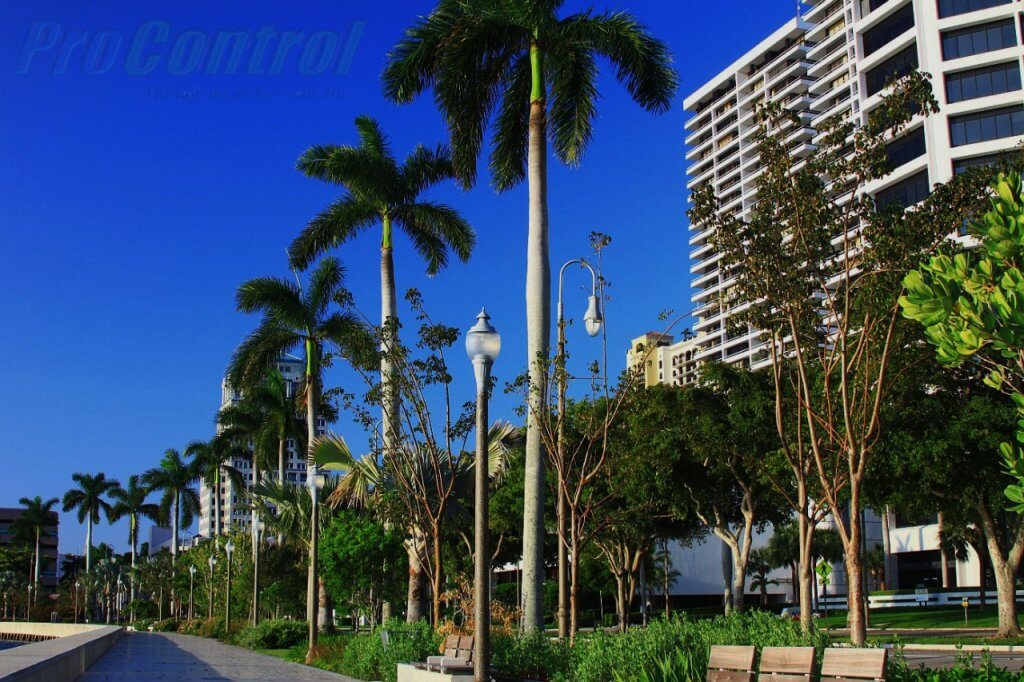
point(162, 656)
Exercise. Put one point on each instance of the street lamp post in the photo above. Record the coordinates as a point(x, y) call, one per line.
point(257, 531)
point(593, 319)
point(191, 591)
point(482, 346)
point(315, 482)
point(212, 563)
point(229, 549)
point(78, 584)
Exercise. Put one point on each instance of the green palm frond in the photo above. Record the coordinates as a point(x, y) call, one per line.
point(259, 351)
point(372, 136)
point(434, 230)
point(332, 227)
point(324, 283)
point(276, 297)
point(87, 498)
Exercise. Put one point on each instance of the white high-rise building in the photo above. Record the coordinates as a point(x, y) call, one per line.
point(836, 59)
point(233, 508)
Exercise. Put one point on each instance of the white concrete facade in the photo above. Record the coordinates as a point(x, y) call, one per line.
point(234, 511)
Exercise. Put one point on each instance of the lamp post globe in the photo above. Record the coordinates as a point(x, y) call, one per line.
point(483, 345)
point(593, 319)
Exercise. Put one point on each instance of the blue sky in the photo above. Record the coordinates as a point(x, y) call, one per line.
point(138, 190)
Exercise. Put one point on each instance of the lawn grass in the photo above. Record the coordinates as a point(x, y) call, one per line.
point(921, 617)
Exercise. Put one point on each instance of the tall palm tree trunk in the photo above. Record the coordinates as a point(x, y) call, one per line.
point(216, 502)
point(174, 532)
point(88, 543)
point(389, 326)
point(538, 326)
point(280, 476)
point(35, 577)
point(312, 585)
point(133, 539)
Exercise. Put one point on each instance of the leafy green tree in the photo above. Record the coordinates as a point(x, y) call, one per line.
point(726, 466)
point(972, 307)
point(937, 457)
point(819, 265)
point(378, 189)
point(131, 501)
point(212, 460)
point(759, 569)
point(294, 318)
point(179, 501)
point(525, 66)
point(358, 558)
point(88, 500)
point(35, 517)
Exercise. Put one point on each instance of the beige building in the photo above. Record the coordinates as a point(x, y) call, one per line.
point(666, 361)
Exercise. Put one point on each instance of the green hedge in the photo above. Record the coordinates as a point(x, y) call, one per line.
point(273, 634)
point(364, 656)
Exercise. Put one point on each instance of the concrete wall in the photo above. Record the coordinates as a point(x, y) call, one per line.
point(63, 659)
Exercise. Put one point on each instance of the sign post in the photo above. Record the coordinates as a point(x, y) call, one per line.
point(965, 602)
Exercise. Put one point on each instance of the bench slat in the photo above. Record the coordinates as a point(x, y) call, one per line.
point(854, 664)
point(731, 658)
point(798, 660)
point(730, 676)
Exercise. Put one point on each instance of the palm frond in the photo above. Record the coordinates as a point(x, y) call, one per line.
point(324, 283)
point(425, 167)
point(332, 227)
point(372, 136)
point(573, 76)
point(434, 230)
point(275, 297)
point(259, 352)
point(511, 128)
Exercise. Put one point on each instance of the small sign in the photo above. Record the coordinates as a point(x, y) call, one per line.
point(921, 594)
point(965, 602)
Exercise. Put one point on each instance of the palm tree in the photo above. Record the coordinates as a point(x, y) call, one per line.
point(180, 501)
point(34, 518)
point(130, 501)
point(212, 458)
point(295, 317)
point(518, 62)
point(379, 190)
point(760, 569)
point(87, 498)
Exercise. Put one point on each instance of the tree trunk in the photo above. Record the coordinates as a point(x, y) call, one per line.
point(855, 588)
point(806, 535)
point(133, 533)
point(88, 543)
point(435, 579)
point(665, 579)
point(414, 596)
point(943, 557)
point(890, 571)
point(620, 601)
point(312, 583)
point(174, 532)
point(643, 594)
point(574, 597)
point(282, 447)
point(216, 501)
point(740, 561)
point(727, 598)
point(325, 610)
point(538, 328)
point(35, 576)
point(1005, 564)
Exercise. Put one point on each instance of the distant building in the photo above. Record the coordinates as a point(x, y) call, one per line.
point(666, 361)
point(234, 510)
point(47, 543)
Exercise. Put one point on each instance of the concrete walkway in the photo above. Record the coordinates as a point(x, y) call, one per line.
point(162, 656)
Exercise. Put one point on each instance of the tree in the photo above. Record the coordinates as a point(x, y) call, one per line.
point(727, 468)
point(34, 517)
point(938, 458)
point(88, 500)
point(377, 188)
point(759, 568)
point(180, 501)
point(212, 458)
point(820, 263)
point(971, 307)
point(358, 558)
point(295, 317)
point(130, 501)
point(520, 63)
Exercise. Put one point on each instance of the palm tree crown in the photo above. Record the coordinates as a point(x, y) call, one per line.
point(130, 501)
point(180, 501)
point(88, 500)
point(496, 57)
point(34, 518)
point(379, 190)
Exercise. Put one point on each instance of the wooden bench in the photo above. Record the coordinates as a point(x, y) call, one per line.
point(457, 656)
point(853, 665)
point(731, 664)
point(787, 664)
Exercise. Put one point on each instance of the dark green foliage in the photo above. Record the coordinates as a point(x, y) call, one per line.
point(366, 658)
point(191, 626)
point(273, 634)
point(967, 667)
point(530, 656)
point(165, 625)
point(362, 561)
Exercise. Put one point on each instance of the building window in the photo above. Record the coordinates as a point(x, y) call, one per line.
point(951, 8)
point(983, 82)
point(900, 22)
point(869, 6)
point(905, 193)
point(896, 66)
point(961, 166)
point(905, 149)
point(977, 39)
point(986, 125)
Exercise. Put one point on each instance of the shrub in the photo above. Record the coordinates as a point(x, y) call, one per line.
point(646, 649)
point(143, 624)
point(273, 634)
point(165, 625)
point(530, 656)
point(190, 626)
point(212, 627)
point(365, 657)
